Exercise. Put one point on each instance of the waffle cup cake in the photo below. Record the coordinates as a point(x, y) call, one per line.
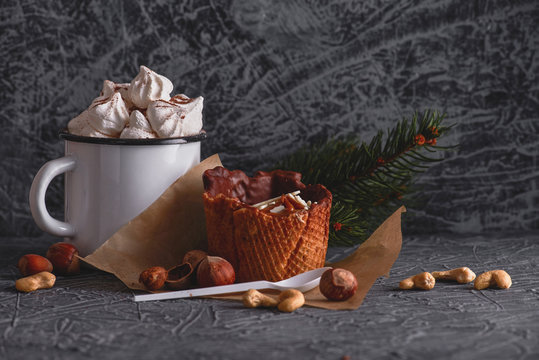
point(261, 243)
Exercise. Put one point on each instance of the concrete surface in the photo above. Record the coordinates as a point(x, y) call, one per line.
point(93, 315)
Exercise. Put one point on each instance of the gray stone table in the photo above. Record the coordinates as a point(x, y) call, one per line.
point(93, 315)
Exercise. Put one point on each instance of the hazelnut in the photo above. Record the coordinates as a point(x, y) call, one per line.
point(180, 277)
point(338, 284)
point(215, 271)
point(31, 264)
point(153, 278)
point(64, 258)
point(194, 257)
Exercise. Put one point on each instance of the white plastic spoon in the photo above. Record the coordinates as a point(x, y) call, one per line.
point(302, 282)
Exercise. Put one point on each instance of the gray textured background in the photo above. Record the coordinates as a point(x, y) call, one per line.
point(278, 74)
point(93, 315)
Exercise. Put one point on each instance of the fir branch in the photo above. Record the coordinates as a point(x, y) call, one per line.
point(350, 226)
point(369, 181)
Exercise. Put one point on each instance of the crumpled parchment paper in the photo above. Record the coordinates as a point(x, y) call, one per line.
point(175, 224)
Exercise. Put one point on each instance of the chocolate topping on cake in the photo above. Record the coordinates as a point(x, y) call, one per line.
point(262, 186)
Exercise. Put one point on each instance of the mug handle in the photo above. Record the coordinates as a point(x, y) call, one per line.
point(37, 196)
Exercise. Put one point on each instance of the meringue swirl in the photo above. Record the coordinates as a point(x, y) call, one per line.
point(181, 116)
point(138, 128)
point(142, 108)
point(108, 115)
point(148, 86)
point(110, 87)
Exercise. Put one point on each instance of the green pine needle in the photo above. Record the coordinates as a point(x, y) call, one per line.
point(369, 181)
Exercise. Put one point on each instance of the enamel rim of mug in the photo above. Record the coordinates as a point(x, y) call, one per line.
point(119, 141)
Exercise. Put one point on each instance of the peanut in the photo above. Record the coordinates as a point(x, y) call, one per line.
point(253, 298)
point(290, 300)
point(498, 278)
point(42, 280)
point(424, 281)
point(462, 275)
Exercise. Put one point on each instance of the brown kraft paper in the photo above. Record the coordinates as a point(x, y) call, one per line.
point(373, 259)
point(160, 235)
point(175, 224)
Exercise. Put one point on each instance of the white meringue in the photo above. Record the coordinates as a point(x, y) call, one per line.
point(181, 116)
point(138, 128)
point(119, 111)
point(103, 114)
point(80, 125)
point(148, 86)
point(108, 115)
point(91, 132)
point(110, 88)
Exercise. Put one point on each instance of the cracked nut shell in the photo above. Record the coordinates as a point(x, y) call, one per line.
point(180, 277)
point(194, 257)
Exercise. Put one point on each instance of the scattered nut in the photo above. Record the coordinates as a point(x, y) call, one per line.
point(180, 277)
point(64, 258)
point(493, 278)
point(424, 281)
point(253, 298)
point(462, 275)
point(41, 280)
point(290, 300)
point(31, 264)
point(153, 278)
point(338, 284)
point(215, 271)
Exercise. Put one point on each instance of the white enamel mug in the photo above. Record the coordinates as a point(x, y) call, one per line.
point(109, 182)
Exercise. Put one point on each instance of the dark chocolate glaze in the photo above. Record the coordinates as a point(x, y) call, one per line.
point(262, 186)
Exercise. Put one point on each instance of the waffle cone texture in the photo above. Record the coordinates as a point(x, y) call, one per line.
point(258, 244)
